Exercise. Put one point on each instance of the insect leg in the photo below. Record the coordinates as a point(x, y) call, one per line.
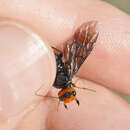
point(77, 101)
point(61, 53)
point(37, 94)
point(65, 106)
point(58, 105)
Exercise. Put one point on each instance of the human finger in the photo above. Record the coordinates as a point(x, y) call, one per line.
point(26, 63)
point(109, 63)
point(98, 110)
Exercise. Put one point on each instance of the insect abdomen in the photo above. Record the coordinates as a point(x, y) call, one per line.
point(61, 80)
point(61, 76)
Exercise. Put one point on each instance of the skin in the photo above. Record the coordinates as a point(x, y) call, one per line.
point(107, 67)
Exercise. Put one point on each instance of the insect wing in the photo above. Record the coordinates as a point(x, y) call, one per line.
point(78, 48)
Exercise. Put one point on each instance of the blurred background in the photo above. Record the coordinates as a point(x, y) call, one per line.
point(123, 5)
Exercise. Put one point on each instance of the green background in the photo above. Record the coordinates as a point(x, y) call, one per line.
point(124, 5)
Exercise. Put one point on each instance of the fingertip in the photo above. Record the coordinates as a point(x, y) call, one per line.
point(27, 62)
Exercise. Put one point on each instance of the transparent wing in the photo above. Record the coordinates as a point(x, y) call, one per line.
point(78, 48)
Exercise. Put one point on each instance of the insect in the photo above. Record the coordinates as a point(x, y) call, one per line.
point(75, 51)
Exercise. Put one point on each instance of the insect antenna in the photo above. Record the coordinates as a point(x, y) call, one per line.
point(89, 89)
point(92, 90)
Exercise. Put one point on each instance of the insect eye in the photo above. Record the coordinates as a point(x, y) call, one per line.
point(67, 94)
point(74, 93)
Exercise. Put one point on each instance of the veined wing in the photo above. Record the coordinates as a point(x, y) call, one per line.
point(78, 48)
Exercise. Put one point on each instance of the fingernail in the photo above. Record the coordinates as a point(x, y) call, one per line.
point(26, 63)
